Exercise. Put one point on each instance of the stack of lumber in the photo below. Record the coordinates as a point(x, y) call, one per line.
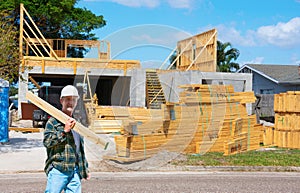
point(224, 125)
point(286, 132)
point(125, 119)
point(287, 102)
point(208, 118)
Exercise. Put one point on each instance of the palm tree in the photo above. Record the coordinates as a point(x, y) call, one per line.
point(172, 60)
point(225, 55)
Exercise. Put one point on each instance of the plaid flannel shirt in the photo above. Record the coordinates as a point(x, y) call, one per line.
point(61, 149)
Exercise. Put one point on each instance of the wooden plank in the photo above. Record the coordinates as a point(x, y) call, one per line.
point(34, 82)
point(236, 146)
point(26, 129)
point(62, 117)
point(21, 31)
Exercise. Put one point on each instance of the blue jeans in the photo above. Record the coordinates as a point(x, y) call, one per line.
point(67, 181)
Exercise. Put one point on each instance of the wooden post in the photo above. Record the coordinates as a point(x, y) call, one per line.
point(21, 31)
point(62, 117)
point(43, 66)
point(74, 67)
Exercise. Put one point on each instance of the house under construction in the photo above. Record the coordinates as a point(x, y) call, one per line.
point(119, 82)
point(192, 107)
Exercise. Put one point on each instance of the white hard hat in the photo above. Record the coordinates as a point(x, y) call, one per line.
point(69, 90)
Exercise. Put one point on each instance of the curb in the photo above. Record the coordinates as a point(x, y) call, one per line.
point(233, 168)
point(171, 168)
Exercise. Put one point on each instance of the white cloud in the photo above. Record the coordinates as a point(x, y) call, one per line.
point(181, 3)
point(232, 35)
point(140, 3)
point(281, 34)
point(185, 4)
point(148, 39)
point(166, 38)
point(132, 3)
point(150, 35)
point(257, 60)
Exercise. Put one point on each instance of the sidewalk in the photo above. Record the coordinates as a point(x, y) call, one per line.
point(25, 153)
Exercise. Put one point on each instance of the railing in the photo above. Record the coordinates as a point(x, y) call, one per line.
point(37, 45)
point(61, 47)
point(25, 36)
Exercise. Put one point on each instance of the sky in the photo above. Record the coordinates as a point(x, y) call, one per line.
point(264, 31)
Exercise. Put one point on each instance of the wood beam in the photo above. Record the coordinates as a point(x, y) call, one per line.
point(34, 82)
point(21, 31)
point(62, 117)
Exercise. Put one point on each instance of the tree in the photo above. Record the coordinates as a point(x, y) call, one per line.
point(55, 19)
point(225, 55)
point(172, 60)
point(9, 54)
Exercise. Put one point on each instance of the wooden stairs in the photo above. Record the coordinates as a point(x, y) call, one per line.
point(154, 91)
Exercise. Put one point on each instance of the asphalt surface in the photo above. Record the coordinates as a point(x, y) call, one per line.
point(159, 182)
point(22, 163)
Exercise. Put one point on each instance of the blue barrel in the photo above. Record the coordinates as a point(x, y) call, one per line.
point(4, 111)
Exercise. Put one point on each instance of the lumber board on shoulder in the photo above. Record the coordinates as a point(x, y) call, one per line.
point(62, 117)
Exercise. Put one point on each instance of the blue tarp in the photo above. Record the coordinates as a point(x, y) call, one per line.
point(4, 110)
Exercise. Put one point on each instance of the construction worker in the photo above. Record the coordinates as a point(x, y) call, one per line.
point(66, 164)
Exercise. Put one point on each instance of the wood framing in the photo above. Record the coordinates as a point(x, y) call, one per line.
point(37, 51)
point(198, 52)
point(60, 46)
point(75, 63)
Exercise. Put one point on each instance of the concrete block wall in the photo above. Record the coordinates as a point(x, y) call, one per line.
point(172, 80)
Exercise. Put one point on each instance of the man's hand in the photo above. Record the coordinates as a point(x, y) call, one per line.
point(69, 125)
point(88, 176)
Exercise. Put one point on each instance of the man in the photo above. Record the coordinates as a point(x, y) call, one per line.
point(66, 164)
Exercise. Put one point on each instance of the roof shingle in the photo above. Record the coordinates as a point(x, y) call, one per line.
point(281, 73)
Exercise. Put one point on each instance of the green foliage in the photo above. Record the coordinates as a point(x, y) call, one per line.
point(13, 91)
point(172, 60)
point(58, 18)
point(225, 56)
point(54, 18)
point(9, 49)
point(278, 157)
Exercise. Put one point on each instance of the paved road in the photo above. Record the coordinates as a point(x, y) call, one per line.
point(165, 182)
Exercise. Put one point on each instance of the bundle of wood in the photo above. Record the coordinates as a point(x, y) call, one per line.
point(208, 118)
point(286, 131)
point(287, 102)
point(224, 125)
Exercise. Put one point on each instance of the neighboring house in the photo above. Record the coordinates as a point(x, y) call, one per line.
point(268, 80)
point(273, 79)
